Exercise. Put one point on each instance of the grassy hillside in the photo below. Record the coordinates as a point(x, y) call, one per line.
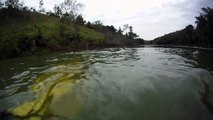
point(24, 32)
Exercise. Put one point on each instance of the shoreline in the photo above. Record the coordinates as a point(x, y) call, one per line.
point(179, 46)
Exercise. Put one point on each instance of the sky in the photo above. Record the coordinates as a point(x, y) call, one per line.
point(149, 18)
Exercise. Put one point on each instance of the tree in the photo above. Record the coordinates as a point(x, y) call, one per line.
point(57, 11)
point(72, 9)
point(21, 5)
point(205, 18)
point(89, 25)
point(1, 5)
point(98, 25)
point(205, 25)
point(97, 22)
point(50, 13)
point(111, 28)
point(125, 27)
point(129, 31)
point(202, 35)
point(41, 4)
point(32, 9)
point(80, 20)
point(120, 31)
point(12, 3)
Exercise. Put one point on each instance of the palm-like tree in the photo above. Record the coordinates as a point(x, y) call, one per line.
point(205, 24)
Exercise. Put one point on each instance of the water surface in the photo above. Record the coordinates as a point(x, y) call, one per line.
point(147, 83)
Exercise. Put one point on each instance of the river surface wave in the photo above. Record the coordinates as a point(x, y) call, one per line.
point(150, 83)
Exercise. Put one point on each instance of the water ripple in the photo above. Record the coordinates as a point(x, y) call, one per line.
point(112, 83)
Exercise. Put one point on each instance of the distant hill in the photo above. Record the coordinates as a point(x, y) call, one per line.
point(201, 35)
point(185, 36)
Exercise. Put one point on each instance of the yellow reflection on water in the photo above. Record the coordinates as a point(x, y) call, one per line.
point(55, 94)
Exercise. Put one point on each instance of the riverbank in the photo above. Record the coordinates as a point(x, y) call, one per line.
point(178, 46)
point(23, 33)
point(28, 32)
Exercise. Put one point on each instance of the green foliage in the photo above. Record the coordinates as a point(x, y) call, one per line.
point(24, 30)
point(201, 36)
point(131, 34)
point(57, 11)
point(111, 28)
point(120, 31)
point(115, 37)
point(12, 16)
point(89, 25)
point(53, 43)
point(71, 9)
point(205, 25)
point(12, 4)
point(98, 25)
point(80, 20)
point(41, 4)
point(22, 36)
point(87, 34)
point(182, 37)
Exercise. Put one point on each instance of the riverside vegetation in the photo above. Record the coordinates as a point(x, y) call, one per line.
point(25, 31)
point(136, 83)
point(200, 35)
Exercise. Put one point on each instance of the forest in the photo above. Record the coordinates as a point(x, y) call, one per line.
point(199, 35)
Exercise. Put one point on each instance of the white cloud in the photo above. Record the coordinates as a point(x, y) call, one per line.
point(149, 18)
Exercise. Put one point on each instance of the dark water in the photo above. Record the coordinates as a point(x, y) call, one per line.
point(109, 84)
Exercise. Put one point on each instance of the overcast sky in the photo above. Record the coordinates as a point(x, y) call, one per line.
point(149, 18)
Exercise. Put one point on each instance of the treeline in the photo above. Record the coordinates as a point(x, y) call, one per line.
point(122, 36)
point(70, 11)
point(26, 29)
point(200, 35)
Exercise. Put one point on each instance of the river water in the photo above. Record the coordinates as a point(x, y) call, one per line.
point(147, 83)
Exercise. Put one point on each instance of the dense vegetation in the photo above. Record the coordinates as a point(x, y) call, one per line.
point(25, 30)
point(201, 35)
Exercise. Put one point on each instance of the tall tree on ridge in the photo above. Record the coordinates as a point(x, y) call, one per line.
point(41, 4)
point(1, 4)
point(57, 11)
point(12, 3)
point(72, 9)
point(205, 25)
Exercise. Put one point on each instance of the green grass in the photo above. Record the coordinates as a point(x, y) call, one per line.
point(89, 34)
point(49, 28)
